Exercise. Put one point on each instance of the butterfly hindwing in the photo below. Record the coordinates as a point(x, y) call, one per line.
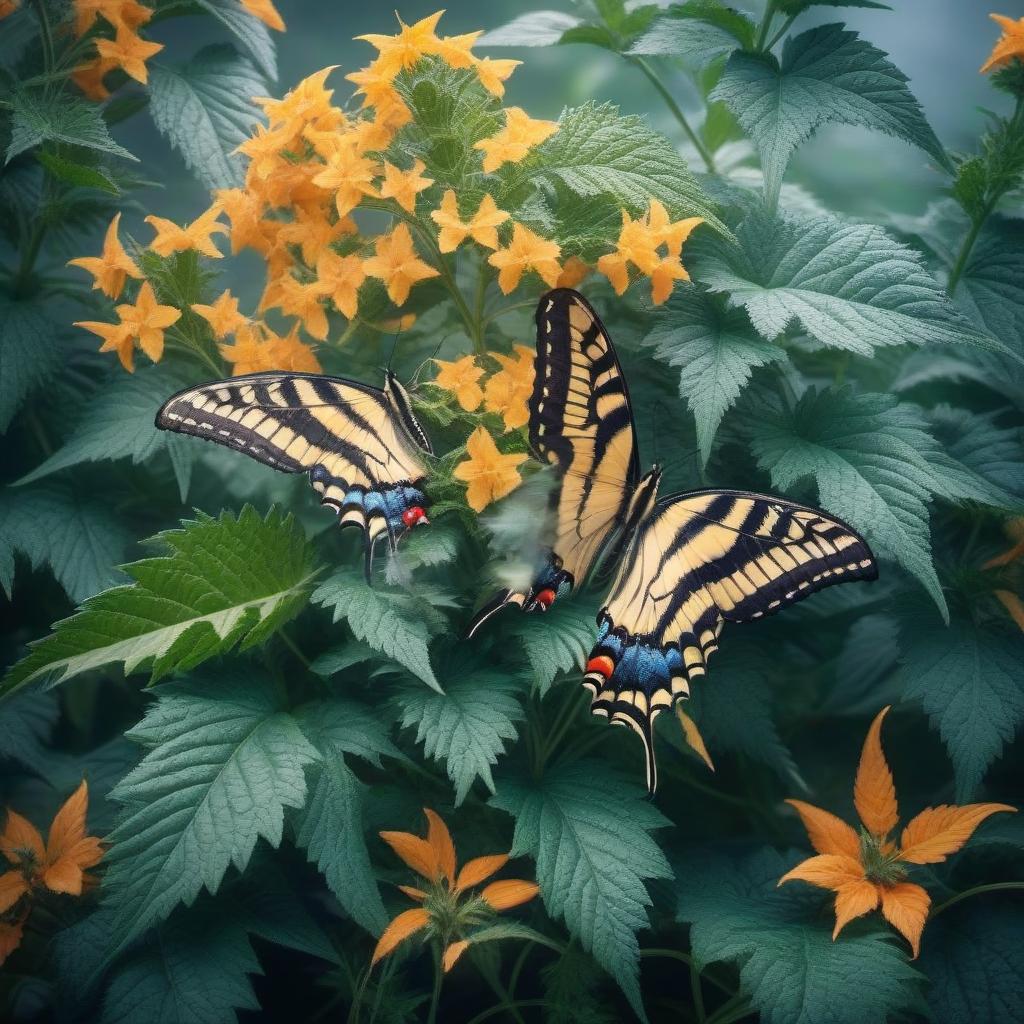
point(361, 446)
point(697, 561)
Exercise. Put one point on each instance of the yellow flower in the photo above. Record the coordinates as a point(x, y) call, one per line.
point(171, 238)
point(244, 210)
point(462, 378)
point(223, 316)
point(482, 227)
point(402, 186)
point(313, 231)
point(128, 13)
point(266, 12)
point(375, 83)
point(448, 911)
point(520, 134)
point(574, 272)
point(144, 322)
point(402, 51)
point(663, 278)
point(289, 353)
point(869, 869)
point(306, 108)
point(129, 52)
point(89, 78)
point(488, 474)
point(112, 266)
point(397, 265)
point(494, 73)
point(250, 353)
point(349, 175)
point(264, 148)
point(526, 251)
point(340, 278)
point(508, 391)
point(1010, 44)
point(295, 298)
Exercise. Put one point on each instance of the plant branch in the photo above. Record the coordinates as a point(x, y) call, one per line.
point(766, 21)
point(991, 887)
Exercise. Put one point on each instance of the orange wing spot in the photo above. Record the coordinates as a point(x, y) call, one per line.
point(546, 598)
point(603, 664)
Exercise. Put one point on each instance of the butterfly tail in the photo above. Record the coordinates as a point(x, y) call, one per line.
point(499, 601)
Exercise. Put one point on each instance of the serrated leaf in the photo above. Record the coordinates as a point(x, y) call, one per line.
point(597, 152)
point(118, 422)
point(968, 678)
point(795, 7)
point(225, 581)
point(26, 724)
point(588, 830)
point(468, 725)
point(850, 286)
point(29, 353)
point(44, 116)
point(699, 30)
point(537, 28)
point(349, 726)
point(225, 761)
point(867, 660)
point(715, 351)
point(977, 441)
point(80, 539)
point(790, 968)
point(557, 641)
point(248, 30)
point(330, 829)
point(395, 623)
point(77, 174)
point(827, 74)
point(206, 111)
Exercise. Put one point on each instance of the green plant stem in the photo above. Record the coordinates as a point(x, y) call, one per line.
point(294, 648)
point(782, 31)
point(562, 724)
point(991, 887)
point(698, 995)
point(734, 1013)
point(435, 995)
point(766, 21)
point(46, 35)
point(676, 110)
point(493, 1011)
point(478, 307)
point(506, 309)
point(685, 958)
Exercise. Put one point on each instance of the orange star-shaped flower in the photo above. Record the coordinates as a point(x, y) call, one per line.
point(509, 390)
point(520, 134)
point(494, 73)
point(245, 211)
point(112, 266)
point(1010, 44)
point(401, 51)
point(488, 474)
point(397, 265)
point(574, 272)
point(89, 78)
point(526, 251)
point(482, 227)
point(290, 353)
point(314, 231)
point(129, 52)
point(249, 353)
point(297, 298)
point(171, 238)
point(349, 176)
point(403, 186)
point(446, 904)
point(266, 12)
point(146, 321)
point(128, 13)
point(869, 870)
point(223, 316)
point(462, 378)
point(340, 278)
point(116, 338)
point(305, 107)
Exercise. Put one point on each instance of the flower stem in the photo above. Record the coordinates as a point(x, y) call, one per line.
point(991, 887)
point(766, 21)
point(782, 31)
point(493, 1011)
point(676, 110)
point(698, 995)
point(685, 958)
point(435, 995)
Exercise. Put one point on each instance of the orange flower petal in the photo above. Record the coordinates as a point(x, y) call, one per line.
point(452, 953)
point(827, 870)
point(413, 893)
point(68, 826)
point(854, 900)
point(510, 892)
point(476, 870)
point(440, 840)
point(416, 852)
point(10, 938)
point(874, 794)
point(64, 875)
point(12, 887)
point(939, 831)
point(20, 834)
point(905, 906)
point(693, 736)
point(827, 833)
point(407, 923)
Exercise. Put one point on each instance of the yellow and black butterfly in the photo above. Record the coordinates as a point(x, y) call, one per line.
point(689, 562)
point(362, 446)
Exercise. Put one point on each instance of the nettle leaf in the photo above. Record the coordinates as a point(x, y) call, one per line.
point(468, 725)
point(117, 422)
point(588, 830)
point(348, 725)
point(850, 286)
point(597, 152)
point(969, 681)
point(47, 116)
point(330, 829)
point(396, 623)
point(80, 539)
point(864, 677)
point(827, 74)
point(225, 761)
point(557, 641)
point(75, 173)
point(538, 28)
point(789, 966)
point(715, 350)
point(795, 7)
point(976, 441)
point(699, 30)
point(225, 581)
point(248, 30)
point(29, 354)
point(206, 111)
point(26, 724)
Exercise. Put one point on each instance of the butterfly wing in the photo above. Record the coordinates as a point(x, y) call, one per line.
point(697, 561)
point(361, 446)
point(582, 424)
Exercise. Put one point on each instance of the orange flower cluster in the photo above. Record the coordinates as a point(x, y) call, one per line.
point(57, 867)
point(127, 50)
point(1009, 46)
point(869, 869)
point(447, 908)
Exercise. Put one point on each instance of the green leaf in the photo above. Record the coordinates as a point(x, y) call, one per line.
point(557, 641)
point(699, 30)
point(206, 111)
point(968, 678)
point(118, 423)
point(572, 990)
point(78, 174)
point(827, 74)
point(248, 30)
point(867, 660)
point(225, 581)
point(795, 7)
point(588, 829)
point(330, 829)
point(80, 539)
point(538, 28)
point(44, 116)
point(225, 761)
point(715, 351)
point(468, 725)
point(348, 725)
point(974, 959)
point(29, 353)
point(596, 152)
point(397, 624)
point(26, 724)
point(781, 941)
point(976, 441)
point(850, 286)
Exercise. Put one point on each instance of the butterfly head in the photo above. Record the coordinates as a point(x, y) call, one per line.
point(414, 516)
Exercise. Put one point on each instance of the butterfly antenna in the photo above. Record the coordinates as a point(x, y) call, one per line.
point(433, 355)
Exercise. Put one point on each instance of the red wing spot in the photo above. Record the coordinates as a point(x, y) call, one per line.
point(603, 664)
point(546, 598)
